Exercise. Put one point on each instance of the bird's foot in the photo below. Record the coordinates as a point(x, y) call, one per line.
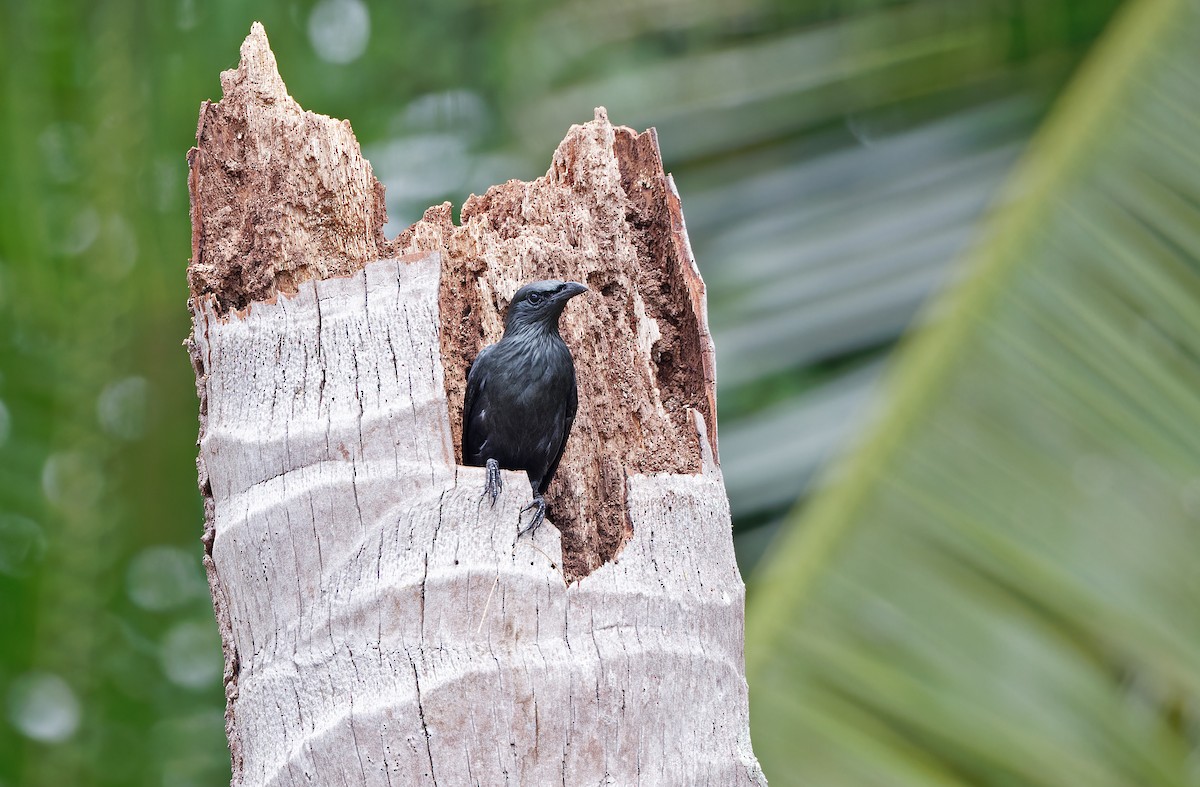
point(493, 485)
point(538, 506)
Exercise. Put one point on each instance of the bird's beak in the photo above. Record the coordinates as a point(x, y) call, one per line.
point(570, 290)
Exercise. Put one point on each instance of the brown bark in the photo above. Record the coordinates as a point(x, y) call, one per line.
point(284, 203)
point(281, 196)
point(605, 215)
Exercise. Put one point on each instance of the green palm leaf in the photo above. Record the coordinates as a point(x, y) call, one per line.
point(1000, 586)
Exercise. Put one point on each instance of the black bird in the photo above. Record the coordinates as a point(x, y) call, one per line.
point(521, 396)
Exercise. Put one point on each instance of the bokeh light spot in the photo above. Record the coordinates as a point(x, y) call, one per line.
point(339, 30)
point(458, 111)
point(121, 407)
point(120, 248)
point(22, 545)
point(43, 707)
point(191, 655)
point(62, 146)
point(71, 479)
point(80, 231)
point(161, 578)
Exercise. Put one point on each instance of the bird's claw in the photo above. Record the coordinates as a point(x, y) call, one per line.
point(539, 515)
point(493, 485)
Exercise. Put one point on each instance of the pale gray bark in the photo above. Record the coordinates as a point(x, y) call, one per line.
point(383, 625)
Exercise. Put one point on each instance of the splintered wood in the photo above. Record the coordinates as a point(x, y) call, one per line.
point(604, 215)
point(381, 623)
point(279, 195)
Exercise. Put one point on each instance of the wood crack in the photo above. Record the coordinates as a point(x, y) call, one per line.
point(297, 296)
point(424, 725)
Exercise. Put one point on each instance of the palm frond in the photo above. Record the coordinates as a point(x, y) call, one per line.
point(999, 587)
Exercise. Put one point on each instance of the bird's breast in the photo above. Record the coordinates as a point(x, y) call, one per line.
point(529, 377)
point(529, 384)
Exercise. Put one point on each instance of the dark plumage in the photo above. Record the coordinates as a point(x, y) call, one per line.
point(521, 396)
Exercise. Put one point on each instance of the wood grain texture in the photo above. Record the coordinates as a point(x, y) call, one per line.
point(279, 195)
point(382, 624)
point(605, 214)
point(386, 623)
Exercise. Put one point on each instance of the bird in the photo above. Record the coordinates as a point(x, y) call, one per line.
point(521, 395)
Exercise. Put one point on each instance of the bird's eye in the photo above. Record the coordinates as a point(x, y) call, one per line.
point(534, 298)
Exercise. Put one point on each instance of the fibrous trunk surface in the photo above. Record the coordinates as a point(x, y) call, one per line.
point(368, 601)
point(281, 196)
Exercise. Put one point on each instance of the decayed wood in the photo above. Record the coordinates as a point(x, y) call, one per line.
point(279, 195)
point(381, 624)
point(606, 215)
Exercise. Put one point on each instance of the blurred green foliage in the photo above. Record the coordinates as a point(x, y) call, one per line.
point(833, 158)
point(999, 587)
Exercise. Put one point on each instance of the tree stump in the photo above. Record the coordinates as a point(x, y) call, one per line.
point(382, 624)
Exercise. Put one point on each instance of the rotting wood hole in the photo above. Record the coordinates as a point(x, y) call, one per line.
point(603, 214)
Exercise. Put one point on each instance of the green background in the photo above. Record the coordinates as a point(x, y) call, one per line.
point(996, 586)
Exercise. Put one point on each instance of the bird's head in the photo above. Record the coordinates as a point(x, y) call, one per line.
point(539, 304)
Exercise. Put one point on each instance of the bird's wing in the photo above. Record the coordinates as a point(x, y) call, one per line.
point(473, 405)
point(568, 420)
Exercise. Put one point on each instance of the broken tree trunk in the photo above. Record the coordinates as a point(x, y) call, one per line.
point(381, 623)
